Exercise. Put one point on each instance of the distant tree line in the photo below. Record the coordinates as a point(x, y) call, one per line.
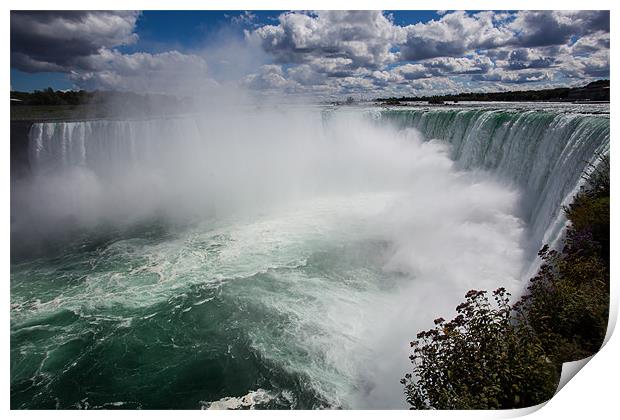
point(51, 97)
point(595, 91)
point(497, 355)
point(50, 104)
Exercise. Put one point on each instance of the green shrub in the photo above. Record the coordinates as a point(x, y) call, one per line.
point(482, 359)
point(568, 301)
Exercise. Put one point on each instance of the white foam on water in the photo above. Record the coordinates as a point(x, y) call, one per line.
point(247, 401)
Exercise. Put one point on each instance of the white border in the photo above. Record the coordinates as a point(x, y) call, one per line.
point(593, 393)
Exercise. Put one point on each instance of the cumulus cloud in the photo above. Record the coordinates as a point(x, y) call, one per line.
point(528, 58)
point(247, 18)
point(330, 53)
point(541, 28)
point(53, 41)
point(497, 48)
point(461, 65)
point(453, 35)
point(592, 65)
point(412, 71)
point(164, 72)
point(84, 45)
point(270, 77)
point(363, 37)
point(527, 76)
point(592, 43)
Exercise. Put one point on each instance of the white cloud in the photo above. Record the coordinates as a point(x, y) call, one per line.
point(164, 72)
point(461, 65)
point(498, 48)
point(364, 37)
point(270, 77)
point(246, 18)
point(82, 44)
point(525, 76)
point(453, 35)
point(542, 28)
point(327, 53)
point(412, 71)
point(52, 41)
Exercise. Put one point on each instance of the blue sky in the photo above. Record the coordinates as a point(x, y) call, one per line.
point(324, 53)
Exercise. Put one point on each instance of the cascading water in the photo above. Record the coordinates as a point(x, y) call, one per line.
point(544, 153)
point(270, 259)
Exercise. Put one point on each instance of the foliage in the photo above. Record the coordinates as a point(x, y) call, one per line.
point(498, 355)
point(595, 91)
point(482, 359)
point(590, 208)
point(51, 97)
point(392, 101)
point(436, 101)
point(597, 177)
point(568, 300)
point(50, 104)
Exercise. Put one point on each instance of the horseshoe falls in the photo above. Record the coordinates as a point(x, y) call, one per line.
point(270, 258)
point(542, 152)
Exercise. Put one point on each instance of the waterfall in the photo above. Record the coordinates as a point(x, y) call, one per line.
point(103, 145)
point(308, 247)
point(543, 153)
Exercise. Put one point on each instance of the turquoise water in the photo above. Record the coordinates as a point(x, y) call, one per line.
point(176, 318)
point(289, 271)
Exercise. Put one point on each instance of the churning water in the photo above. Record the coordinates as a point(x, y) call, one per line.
point(276, 259)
